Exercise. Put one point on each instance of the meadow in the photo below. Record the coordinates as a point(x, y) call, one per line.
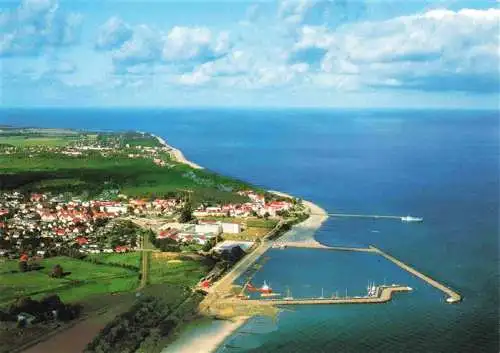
point(32, 141)
point(81, 280)
point(130, 259)
point(175, 269)
point(50, 172)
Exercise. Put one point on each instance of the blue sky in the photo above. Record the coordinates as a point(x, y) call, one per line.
point(303, 53)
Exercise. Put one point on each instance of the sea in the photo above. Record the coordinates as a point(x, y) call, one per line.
point(442, 165)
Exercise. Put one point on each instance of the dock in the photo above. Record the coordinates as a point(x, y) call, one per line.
point(384, 294)
point(317, 245)
point(453, 297)
point(348, 215)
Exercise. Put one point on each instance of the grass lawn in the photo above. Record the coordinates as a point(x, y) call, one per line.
point(83, 279)
point(175, 271)
point(129, 259)
point(24, 141)
point(251, 233)
point(102, 286)
point(262, 223)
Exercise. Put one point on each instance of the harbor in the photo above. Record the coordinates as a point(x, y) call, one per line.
point(381, 294)
point(453, 297)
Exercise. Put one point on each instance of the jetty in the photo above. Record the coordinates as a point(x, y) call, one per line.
point(384, 294)
point(349, 215)
point(374, 216)
point(453, 297)
point(317, 245)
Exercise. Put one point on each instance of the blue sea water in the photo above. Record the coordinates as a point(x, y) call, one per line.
point(441, 165)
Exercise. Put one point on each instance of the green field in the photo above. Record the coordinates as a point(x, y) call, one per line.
point(83, 279)
point(26, 141)
point(262, 223)
point(180, 271)
point(86, 278)
point(128, 259)
point(50, 172)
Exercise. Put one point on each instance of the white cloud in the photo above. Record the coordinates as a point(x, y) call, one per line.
point(180, 47)
point(143, 47)
point(241, 69)
point(194, 43)
point(409, 51)
point(36, 25)
point(438, 49)
point(319, 12)
point(113, 34)
point(195, 78)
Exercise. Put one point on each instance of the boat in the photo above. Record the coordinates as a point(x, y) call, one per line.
point(249, 287)
point(371, 289)
point(411, 219)
point(267, 295)
point(265, 289)
point(288, 294)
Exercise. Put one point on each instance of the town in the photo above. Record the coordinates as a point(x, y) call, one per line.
point(41, 224)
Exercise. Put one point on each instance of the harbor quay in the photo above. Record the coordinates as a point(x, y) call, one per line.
point(227, 304)
point(453, 297)
point(225, 299)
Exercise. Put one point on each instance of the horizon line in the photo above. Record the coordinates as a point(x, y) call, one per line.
point(242, 108)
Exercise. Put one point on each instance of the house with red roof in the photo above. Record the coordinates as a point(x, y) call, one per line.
point(82, 240)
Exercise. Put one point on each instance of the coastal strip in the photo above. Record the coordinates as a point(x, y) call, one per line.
point(177, 154)
point(217, 340)
point(204, 336)
point(304, 232)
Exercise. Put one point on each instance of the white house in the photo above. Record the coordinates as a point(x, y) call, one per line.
point(231, 228)
point(117, 209)
point(208, 228)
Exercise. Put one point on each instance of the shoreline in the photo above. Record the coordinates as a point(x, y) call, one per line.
point(304, 231)
point(201, 336)
point(301, 232)
point(177, 154)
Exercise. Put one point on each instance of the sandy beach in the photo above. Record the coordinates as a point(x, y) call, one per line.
point(177, 154)
point(304, 231)
point(206, 337)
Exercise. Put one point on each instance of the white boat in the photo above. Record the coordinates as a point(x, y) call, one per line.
point(411, 219)
point(371, 289)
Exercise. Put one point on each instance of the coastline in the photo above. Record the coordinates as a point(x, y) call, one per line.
point(301, 232)
point(177, 154)
point(304, 231)
point(204, 335)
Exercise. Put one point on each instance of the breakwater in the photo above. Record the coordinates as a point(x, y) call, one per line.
point(453, 297)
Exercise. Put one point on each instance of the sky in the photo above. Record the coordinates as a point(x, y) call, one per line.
point(234, 53)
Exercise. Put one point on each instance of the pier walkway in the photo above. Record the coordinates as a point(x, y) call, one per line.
point(317, 245)
point(348, 215)
point(384, 294)
point(453, 297)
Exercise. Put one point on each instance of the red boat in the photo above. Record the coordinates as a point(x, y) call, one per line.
point(264, 289)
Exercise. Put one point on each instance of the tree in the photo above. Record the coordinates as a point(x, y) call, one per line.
point(57, 271)
point(186, 213)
